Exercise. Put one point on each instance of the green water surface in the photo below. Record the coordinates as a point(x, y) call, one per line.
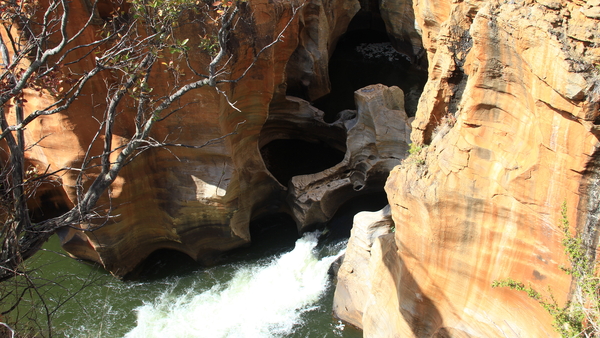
point(82, 300)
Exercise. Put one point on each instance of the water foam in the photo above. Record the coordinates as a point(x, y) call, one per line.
point(264, 300)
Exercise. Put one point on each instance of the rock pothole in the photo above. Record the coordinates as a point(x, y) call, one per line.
point(286, 158)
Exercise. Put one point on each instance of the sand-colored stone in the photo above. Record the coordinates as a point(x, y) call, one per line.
point(350, 301)
point(510, 122)
point(399, 18)
point(321, 22)
point(378, 135)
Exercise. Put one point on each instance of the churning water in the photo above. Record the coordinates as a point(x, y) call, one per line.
point(286, 292)
point(265, 299)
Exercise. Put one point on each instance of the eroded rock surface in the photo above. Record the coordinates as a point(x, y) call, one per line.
point(200, 201)
point(354, 283)
point(197, 201)
point(377, 140)
point(509, 115)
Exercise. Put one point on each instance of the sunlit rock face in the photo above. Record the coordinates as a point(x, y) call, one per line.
point(197, 201)
point(200, 201)
point(510, 115)
point(355, 288)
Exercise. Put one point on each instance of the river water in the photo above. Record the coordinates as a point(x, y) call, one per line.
point(277, 288)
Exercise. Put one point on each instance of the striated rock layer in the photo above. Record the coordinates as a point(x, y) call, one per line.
point(197, 201)
point(508, 120)
point(378, 135)
point(201, 201)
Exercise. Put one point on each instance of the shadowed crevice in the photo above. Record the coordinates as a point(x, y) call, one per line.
point(163, 263)
point(341, 223)
point(286, 158)
point(364, 57)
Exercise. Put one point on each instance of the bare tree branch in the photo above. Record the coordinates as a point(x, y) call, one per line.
point(126, 60)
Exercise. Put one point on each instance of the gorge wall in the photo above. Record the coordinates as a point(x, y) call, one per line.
point(200, 201)
point(507, 121)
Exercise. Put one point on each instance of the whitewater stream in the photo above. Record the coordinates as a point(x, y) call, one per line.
point(283, 291)
point(265, 299)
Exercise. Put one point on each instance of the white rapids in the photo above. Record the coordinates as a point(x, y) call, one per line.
point(265, 300)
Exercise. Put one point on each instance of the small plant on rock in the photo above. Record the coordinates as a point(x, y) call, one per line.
point(445, 124)
point(416, 154)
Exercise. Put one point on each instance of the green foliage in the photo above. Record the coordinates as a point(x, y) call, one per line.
point(160, 13)
point(415, 148)
point(164, 40)
point(575, 250)
point(209, 44)
point(579, 317)
point(160, 17)
point(416, 154)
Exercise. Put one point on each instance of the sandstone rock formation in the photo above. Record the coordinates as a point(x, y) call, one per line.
point(200, 201)
point(509, 123)
point(378, 136)
point(355, 290)
point(509, 118)
point(197, 201)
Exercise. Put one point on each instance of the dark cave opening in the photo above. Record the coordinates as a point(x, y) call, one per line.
point(163, 263)
point(286, 158)
point(366, 55)
point(340, 225)
point(49, 202)
point(271, 234)
point(276, 233)
point(363, 57)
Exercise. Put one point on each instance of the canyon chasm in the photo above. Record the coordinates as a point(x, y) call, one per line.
point(500, 100)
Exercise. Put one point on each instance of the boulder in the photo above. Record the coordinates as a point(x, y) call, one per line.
point(353, 290)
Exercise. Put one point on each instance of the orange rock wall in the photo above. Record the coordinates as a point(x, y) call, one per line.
point(198, 201)
point(509, 115)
